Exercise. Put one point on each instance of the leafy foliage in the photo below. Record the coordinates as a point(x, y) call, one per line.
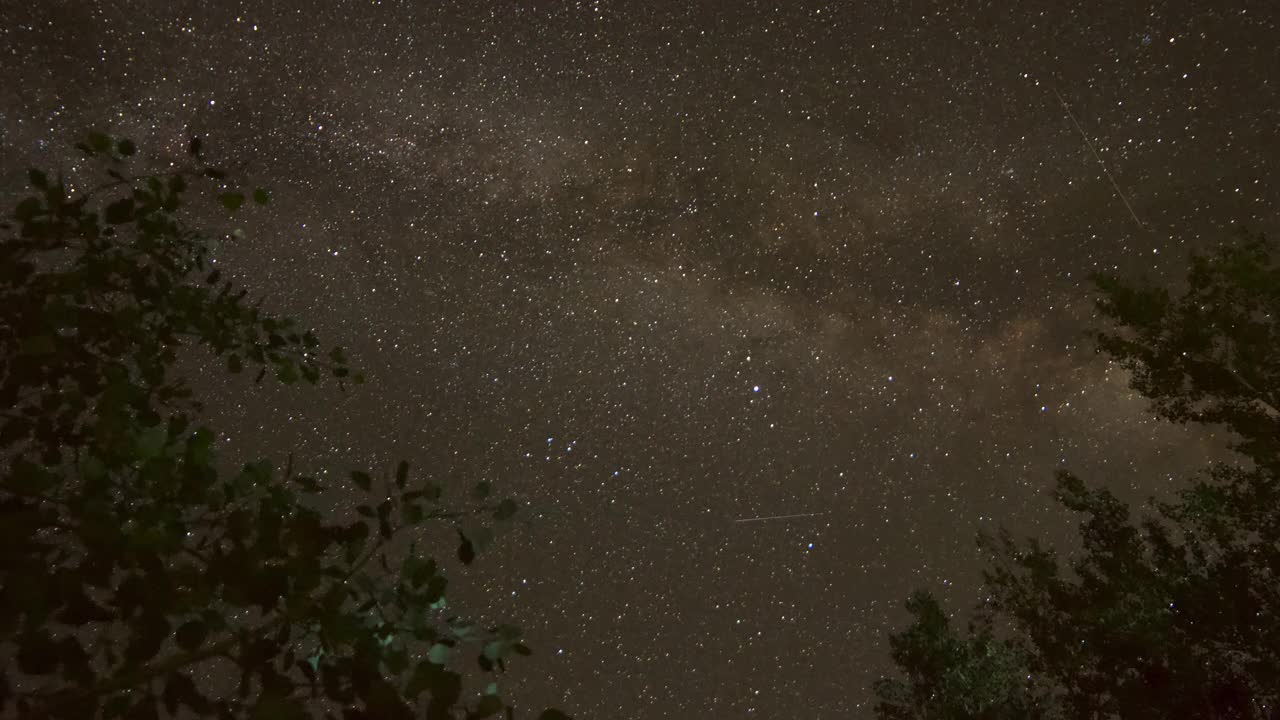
point(1176, 614)
point(1213, 355)
point(949, 676)
point(130, 560)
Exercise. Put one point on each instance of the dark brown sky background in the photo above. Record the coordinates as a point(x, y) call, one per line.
point(569, 241)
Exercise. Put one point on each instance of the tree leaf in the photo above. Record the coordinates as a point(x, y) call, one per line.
point(446, 688)
point(273, 706)
point(99, 142)
point(191, 635)
point(488, 706)
point(435, 592)
point(466, 551)
point(439, 654)
point(152, 441)
point(37, 653)
point(147, 636)
point(287, 373)
point(27, 210)
point(481, 537)
point(145, 709)
point(424, 674)
point(231, 200)
point(496, 650)
point(38, 345)
point(119, 212)
point(81, 610)
point(75, 662)
point(180, 690)
point(506, 509)
point(396, 659)
point(261, 196)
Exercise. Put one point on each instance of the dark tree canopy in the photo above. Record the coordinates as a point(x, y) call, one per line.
point(1212, 355)
point(953, 676)
point(1172, 615)
point(129, 559)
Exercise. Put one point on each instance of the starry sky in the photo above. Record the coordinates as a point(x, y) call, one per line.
point(654, 268)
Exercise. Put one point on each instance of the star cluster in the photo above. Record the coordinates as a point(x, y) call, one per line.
point(657, 267)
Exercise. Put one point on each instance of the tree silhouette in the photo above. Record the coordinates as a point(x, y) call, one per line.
point(1176, 614)
point(128, 561)
point(953, 677)
point(1211, 356)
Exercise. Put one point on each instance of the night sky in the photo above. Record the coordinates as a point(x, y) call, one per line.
point(654, 268)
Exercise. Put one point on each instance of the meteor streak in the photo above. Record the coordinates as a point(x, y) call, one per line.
point(1098, 157)
point(778, 517)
